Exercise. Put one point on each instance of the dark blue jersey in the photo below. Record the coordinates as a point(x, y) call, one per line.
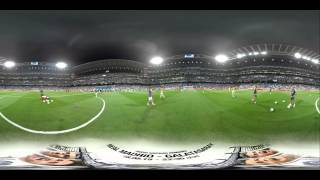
point(293, 92)
point(150, 93)
point(255, 91)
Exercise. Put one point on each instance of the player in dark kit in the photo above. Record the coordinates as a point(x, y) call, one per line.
point(292, 98)
point(254, 99)
point(41, 92)
point(270, 89)
point(150, 99)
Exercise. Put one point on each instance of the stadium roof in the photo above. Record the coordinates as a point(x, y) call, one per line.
point(281, 49)
point(259, 49)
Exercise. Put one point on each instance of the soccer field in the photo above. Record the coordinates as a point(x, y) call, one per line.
point(190, 115)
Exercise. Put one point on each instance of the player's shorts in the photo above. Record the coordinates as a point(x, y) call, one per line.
point(149, 98)
point(292, 97)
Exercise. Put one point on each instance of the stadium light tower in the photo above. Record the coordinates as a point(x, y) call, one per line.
point(221, 58)
point(156, 60)
point(61, 65)
point(9, 64)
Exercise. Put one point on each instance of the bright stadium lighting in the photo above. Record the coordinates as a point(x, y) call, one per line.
point(255, 53)
point(9, 64)
point(156, 60)
point(264, 52)
point(240, 56)
point(250, 54)
point(308, 58)
point(316, 61)
point(104, 75)
point(61, 65)
point(297, 55)
point(221, 58)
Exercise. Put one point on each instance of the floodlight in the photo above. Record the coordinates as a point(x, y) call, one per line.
point(250, 54)
point(221, 58)
point(156, 60)
point(255, 53)
point(297, 55)
point(61, 65)
point(240, 55)
point(9, 64)
point(316, 61)
point(104, 75)
point(264, 52)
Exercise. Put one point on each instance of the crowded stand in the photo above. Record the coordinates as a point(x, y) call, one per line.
point(267, 67)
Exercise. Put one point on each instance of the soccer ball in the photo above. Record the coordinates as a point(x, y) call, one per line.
point(51, 100)
point(276, 102)
point(271, 109)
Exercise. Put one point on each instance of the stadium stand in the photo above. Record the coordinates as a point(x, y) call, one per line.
point(277, 66)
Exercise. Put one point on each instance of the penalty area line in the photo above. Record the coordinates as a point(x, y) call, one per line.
point(56, 132)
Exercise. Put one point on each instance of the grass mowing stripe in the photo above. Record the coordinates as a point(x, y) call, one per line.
point(181, 116)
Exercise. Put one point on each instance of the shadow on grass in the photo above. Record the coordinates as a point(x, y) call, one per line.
point(145, 114)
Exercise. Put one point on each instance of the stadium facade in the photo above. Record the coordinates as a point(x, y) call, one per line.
point(261, 63)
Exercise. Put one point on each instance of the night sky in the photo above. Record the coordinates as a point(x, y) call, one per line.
point(82, 36)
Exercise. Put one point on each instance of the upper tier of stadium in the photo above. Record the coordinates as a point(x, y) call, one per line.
point(260, 63)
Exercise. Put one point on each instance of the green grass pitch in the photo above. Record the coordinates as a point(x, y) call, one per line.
point(190, 115)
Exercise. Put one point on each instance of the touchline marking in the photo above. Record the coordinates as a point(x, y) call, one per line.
point(57, 132)
point(316, 104)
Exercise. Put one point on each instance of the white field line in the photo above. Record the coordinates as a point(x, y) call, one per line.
point(56, 132)
point(316, 104)
point(49, 96)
